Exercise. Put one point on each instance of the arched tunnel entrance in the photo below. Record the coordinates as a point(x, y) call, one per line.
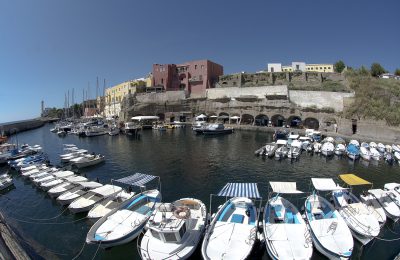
point(261, 120)
point(311, 123)
point(278, 120)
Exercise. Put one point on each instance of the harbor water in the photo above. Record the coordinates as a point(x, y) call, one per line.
point(189, 165)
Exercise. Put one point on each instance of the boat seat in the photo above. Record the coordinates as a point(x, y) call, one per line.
point(236, 218)
point(289, 217)
point(278, 212)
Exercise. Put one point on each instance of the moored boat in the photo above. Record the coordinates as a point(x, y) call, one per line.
point(285, 232)
point(329, 231)
point(173, 229)
point(233, 230)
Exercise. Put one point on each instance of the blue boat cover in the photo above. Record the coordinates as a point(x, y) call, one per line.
point(137, 179)
point(248, 190)
point(351, 148)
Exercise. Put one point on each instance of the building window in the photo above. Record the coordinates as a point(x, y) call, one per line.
point(324, 68)
point(162, 81)
point(320, 68)
point(297, 67)
point(329, 68)
point(272, 69)
point(195, 67)
point(202, 67)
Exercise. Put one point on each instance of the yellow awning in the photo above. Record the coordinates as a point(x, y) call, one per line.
point(352, 179)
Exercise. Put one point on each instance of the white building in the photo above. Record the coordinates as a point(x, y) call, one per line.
point(274, 67)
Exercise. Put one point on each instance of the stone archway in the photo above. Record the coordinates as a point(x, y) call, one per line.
point(223, 117)
point(278, 120)
point(311, 123)
point(261, 120)
point(246, 119)
point(294, 121)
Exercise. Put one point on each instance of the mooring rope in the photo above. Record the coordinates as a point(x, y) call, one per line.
point(80, 252)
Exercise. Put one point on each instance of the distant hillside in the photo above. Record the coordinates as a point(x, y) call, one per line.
point(374, 98)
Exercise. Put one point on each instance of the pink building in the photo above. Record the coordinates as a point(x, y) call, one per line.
point(194, 77)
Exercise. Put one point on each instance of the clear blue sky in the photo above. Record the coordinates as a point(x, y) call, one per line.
point(48, 47)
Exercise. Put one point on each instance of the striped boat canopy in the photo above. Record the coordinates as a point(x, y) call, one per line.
point(248, 190)
point(137, 179)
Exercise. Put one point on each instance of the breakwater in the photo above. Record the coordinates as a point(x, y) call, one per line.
point(20, 126)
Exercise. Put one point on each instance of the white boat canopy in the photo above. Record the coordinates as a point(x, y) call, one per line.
point(137, 179)
point(294, 136)
point(234, 117)
point(140, 118)
point(202, 116)
point(284, 187)
point(107, 190)
point(281, 141)
point(325, 184)
point(304, 138)
point(213, 116)
point(248, 190)
point(90, 184)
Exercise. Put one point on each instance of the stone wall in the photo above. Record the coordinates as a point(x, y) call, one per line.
point(161, 98)
point(319, 99)
point(258, 92)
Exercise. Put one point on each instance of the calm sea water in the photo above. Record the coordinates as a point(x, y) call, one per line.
point(189, 166)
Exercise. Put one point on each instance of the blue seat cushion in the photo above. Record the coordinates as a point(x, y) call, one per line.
point(289, 217)
point(236, 218)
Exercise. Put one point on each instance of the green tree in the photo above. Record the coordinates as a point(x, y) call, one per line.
point(377, 69)
point(363, 71)
point(397, 72)
point(339, 66)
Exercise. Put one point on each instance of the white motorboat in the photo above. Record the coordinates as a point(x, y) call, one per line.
point(132, 128)
point(68, 184)
point(365, 153)
point(59, 178)
point(269, 149)
point(285, 232)
point(5, 182)
point(114, 131)
point(388, 148)
point(51, 176)
point(88, 200)
point(373, 145)
point(392, 187)
point(396, 148)
point(87, 160)
point(174, 229)
point(124, 223)
point(291, 138)
point(61, 133)
point(359, 219)
point(375, 154)
point(294, 150)
point(329, 231)
point(233, 230)
point(103, 208)
point(305, 142)
point(396, 156)
point(282, 150)
point(95, 131)
point(72, 194)
point(392, 210)
point(340, 149)
point(374, 207)
point(381, 148)
point(327, 148)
